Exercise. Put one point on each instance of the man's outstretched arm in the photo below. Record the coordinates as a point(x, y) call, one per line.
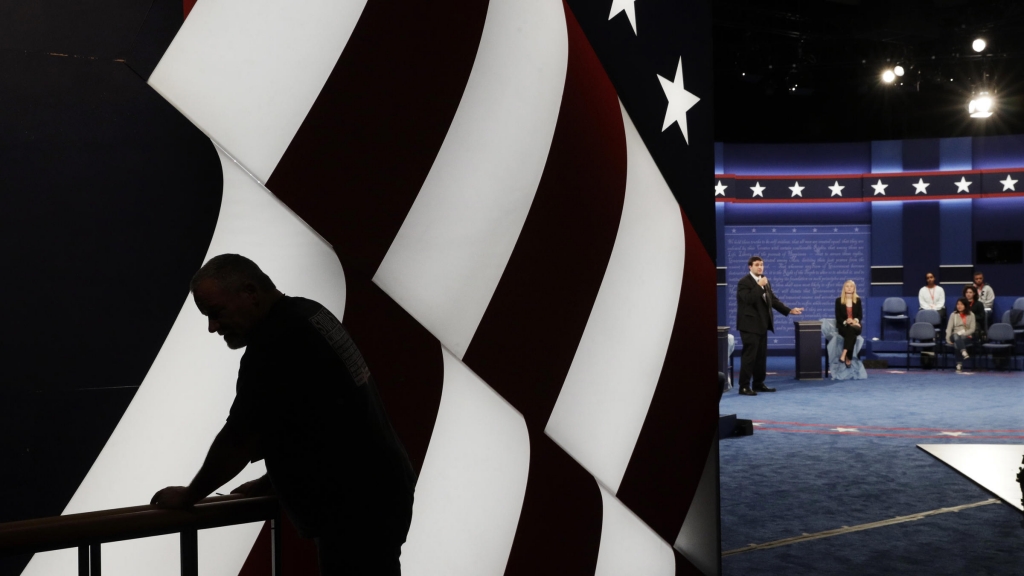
point(228, 455)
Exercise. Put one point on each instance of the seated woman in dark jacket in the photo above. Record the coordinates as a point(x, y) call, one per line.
point(848, 317)
point(976, 308)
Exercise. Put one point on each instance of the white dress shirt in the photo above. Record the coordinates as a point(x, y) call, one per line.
point(932, 298)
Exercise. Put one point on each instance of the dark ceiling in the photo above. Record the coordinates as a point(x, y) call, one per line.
point(810, 70)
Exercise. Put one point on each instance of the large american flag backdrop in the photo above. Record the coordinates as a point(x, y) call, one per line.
point(506, 203)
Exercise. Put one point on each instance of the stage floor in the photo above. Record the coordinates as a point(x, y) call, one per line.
point(833, 482)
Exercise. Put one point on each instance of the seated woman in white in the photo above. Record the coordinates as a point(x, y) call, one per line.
point(931, 296)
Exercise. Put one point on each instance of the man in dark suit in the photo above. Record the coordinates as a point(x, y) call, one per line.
point(755, 300)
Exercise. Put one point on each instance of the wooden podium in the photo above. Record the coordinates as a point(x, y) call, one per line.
point(808, 349)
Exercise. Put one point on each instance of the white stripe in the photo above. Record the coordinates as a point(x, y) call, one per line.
point(163, 436)
point(446, 260)
point(994, 467)
point(246, 72)
point(628, 546)
point(471, 489)
point(606, 394)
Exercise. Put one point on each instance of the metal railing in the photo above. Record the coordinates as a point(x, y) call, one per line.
point(89, 530)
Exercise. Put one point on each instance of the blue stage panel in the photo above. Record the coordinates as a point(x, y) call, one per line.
point(806, 265)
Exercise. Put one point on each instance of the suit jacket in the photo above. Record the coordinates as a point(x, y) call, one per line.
point(858, 312)
point(753, 313)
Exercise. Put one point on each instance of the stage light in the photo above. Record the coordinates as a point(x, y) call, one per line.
point(898, 70)
point(978, 45)
point(981, 106)
point(888, 76)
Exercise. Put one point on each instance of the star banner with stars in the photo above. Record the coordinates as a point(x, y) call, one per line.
point(796, 188)
point(920, 185)
point(869, 187)
point(725, 188)
point(657, 54)
point(1002, 182)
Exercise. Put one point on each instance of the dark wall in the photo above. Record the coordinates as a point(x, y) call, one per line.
point(1000, 219)
point(921, 248)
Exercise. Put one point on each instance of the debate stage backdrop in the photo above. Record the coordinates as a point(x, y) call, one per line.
point(504, 200)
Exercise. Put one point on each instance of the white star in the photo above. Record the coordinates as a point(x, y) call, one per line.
point(856, 229)
point(627, 7)
point(836, 189)
point(879, 188)
point(814, 230)
point(753, 229)
point(796, 188)
point(758, 423)
point(679, 101)
point(794, 229)
point(963, 185)
point(919, 188)
point(775, 341)
point(846, 429)
point(773, 229)
point(758, 190)
point(720, 189)
point(952, 433)
point(835, 229)
point(1008, 184)
point(733, 229)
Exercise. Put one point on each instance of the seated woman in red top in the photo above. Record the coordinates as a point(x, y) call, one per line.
point(848, 317)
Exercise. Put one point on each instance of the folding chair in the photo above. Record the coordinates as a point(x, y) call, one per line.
point(894, 309)
point(932, 317)
point(1000, 337)
point(921, 337)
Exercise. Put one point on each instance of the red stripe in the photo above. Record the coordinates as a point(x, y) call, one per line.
point(528, 335)
point(856, 175)
point(922, 173)
point(798, 200)
point(559, 528)
point(885, 427)
point(365, 148)
point(186, 7)
point(882, 435)
point(668, 460)
point(405, 361)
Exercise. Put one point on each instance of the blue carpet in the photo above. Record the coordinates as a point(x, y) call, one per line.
point(798, 475)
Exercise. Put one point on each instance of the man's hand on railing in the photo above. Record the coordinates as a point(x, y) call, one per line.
point(258, 487)
point(175, 497)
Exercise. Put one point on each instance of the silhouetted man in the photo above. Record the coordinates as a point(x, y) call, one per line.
point(305, 403)
point(754, 302)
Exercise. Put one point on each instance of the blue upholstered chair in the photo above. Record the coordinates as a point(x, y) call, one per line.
point(920, 338)
point(1000, 337)
point(835, 369)
point(1018, 328)
point(893, 309)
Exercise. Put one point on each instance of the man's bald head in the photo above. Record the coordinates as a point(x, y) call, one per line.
point(232, 272)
